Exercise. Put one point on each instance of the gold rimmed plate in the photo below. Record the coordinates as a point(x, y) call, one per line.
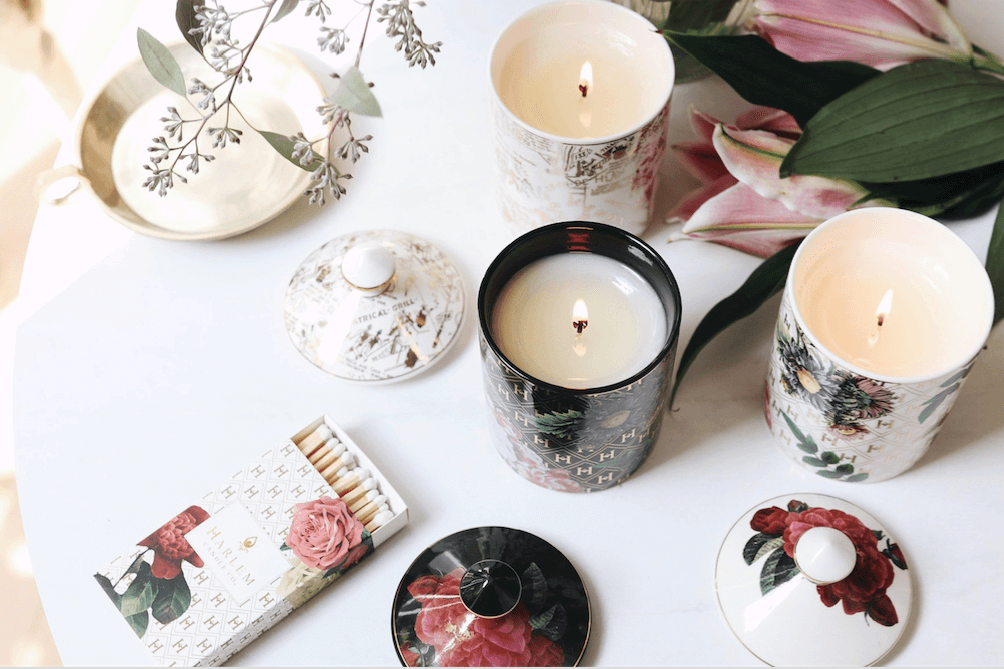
point(243, 188)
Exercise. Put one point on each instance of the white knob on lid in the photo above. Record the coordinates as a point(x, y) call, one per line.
point(369, 267)
point(825, 555)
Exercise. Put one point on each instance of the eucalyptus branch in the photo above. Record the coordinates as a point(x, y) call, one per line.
point(208, 26)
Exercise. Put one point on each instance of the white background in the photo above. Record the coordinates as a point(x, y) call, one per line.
point(166, 366)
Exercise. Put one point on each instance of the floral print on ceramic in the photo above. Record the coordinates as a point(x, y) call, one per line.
point(864, 591)
point(841, 424)
point(541, 180)
point(569, 441)
point(786, 619)
point(547, 627)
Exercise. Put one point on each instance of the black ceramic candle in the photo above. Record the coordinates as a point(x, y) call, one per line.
point(571, 436)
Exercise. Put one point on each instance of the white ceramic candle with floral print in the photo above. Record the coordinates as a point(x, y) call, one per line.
point(580, 109)
point(881, 320)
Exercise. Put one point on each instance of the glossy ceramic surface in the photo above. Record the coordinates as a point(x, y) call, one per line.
point(379, 335)
point(491, 596)
point(782, 616)
point(227, 197)
point(576, 440)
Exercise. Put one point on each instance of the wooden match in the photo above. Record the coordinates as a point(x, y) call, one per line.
point(315, 439)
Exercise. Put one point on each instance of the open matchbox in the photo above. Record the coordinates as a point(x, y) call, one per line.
point(216, 576)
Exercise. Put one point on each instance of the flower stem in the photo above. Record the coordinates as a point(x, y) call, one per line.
point(362, 40)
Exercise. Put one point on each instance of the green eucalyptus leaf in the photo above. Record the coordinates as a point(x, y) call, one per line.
point(815, 462)
point(141, 592)
point(856, 478)
point(763, 75)
point(284, 145)
point(285, 8)
point(184, 16)
point(765, 281)
point(829, 457)
point(829, 474)
point(995, 263)
point(354, 94)
point(926, 119)
point(160, 62)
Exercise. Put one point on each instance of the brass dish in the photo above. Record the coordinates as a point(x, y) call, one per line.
point(244, 187)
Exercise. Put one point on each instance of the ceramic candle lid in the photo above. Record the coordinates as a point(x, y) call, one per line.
point(375, 306)
point(491, 596)
point(810, 579)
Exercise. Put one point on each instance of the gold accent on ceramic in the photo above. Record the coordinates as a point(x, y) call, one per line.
point(246, 186)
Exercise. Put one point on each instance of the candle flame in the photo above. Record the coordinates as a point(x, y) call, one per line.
point(884, 307)
point(580, 316)
point(586, 78)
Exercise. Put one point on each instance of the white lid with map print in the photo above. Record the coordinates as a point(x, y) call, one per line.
point(400, 322)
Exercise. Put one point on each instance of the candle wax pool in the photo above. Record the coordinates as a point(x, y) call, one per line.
point(534, 325)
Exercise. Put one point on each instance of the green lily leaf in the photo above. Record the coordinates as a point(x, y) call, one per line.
point(766, 281)
point(926, 119)
point(995, 264)
point(966, 194)
point(763, 75)
point(160, 62)
point(691, 14)
point(354, 94)
point(184, 16)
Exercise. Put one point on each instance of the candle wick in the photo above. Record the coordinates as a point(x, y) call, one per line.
point(579, 325)
point(584, 88)
point(881, 319)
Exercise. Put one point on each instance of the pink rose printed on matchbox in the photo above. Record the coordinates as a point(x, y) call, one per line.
point(325, 540)
point(322, 533)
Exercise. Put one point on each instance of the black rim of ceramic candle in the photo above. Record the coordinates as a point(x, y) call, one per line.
point(582, 237)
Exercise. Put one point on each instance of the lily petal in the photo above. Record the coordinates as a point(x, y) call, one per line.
point(936, 20)
point(700, 159)
point(754, 156)
point(872, 32)
point(739, 218)
point(693, 200)
point(777, 121)
point(702, 123)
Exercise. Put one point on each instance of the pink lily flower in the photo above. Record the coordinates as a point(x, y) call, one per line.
point(879, 33)
point(742, 202)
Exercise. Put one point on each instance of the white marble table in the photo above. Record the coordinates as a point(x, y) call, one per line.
point(164, 365)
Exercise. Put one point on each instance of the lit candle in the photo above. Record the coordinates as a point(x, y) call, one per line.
point(893, 294)
point(581, 104)
point(579, 320)
point(882, 317)
point(579, 323)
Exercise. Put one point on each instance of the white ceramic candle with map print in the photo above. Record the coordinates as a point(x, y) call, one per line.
point(580, 108)
point(882, 317)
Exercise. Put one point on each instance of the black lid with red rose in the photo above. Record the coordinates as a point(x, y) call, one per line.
point(491, 596)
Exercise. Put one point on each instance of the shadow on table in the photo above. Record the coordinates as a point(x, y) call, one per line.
point(722, 389)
